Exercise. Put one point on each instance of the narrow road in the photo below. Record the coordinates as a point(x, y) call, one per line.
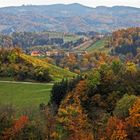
point(25, 82)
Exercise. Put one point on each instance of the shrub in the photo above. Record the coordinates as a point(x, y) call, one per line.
point(123, 106)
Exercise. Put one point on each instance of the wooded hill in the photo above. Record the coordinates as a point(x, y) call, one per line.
point(16, 64)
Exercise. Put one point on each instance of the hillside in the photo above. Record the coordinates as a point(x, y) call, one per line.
point(67, 18)
point(54, 71)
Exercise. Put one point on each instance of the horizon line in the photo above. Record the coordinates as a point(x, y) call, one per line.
point(68, 4)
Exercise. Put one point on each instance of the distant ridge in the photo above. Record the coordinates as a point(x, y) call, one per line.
point(67, 18)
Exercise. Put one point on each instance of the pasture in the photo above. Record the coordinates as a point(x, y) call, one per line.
point(24, 94)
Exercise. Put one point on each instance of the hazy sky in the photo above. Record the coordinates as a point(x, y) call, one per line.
point(92, 3)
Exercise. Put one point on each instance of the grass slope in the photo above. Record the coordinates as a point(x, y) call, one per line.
point(23, 95)
point(56, 72)
point(98, 46)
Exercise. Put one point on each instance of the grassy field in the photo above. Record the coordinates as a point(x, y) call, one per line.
point(22, 95)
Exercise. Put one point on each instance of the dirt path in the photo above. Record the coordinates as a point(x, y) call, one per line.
point(16, 82)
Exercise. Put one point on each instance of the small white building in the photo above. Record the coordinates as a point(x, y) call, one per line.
point(48, 53)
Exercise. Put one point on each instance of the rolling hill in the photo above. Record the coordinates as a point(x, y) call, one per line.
point(67, 18)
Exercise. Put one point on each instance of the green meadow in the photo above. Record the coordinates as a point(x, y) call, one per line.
point(22, 95)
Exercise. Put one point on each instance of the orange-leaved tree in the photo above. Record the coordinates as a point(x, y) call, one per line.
point(133, 121)
point(72, 117)
point(116, 129)
point(17, 127)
